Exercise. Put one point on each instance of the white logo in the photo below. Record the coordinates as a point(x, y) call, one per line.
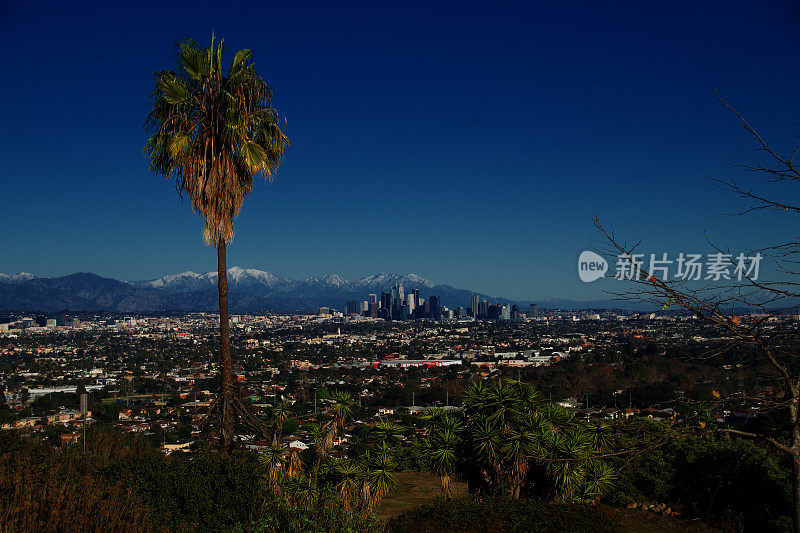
point(591, 266)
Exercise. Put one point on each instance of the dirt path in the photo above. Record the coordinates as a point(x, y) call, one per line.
point(417, 488)
point(413, 490)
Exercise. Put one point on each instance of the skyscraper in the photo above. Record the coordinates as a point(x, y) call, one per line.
point(436, 310)
point(483, 309)
point(475, 305)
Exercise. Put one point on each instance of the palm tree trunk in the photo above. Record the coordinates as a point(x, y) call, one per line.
point(317, 464)
point(796, 490)
point(445, 480)
point(226, 392)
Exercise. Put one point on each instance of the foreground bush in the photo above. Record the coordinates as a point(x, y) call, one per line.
point(123, 484)
point(45, 489)
point(731, 483)
point(501, 514)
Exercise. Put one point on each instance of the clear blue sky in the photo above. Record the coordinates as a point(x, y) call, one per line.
point(467, 143)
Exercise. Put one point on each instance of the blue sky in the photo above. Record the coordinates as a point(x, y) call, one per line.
point(469, 143)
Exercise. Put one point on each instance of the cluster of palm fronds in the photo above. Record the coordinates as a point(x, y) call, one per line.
point(507, 440)
point(212, 130)
point(360, 483)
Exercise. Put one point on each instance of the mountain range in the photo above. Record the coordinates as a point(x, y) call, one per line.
point(250, 291)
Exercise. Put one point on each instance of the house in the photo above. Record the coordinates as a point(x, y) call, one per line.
point(298, 445)
point(70, 438)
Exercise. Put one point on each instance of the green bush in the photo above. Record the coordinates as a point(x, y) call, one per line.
point(729, 481)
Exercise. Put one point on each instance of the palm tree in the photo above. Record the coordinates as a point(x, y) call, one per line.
point(294, 465)
point(386, 431)
point(379, 478)
point(212, 132)
point(518, 447)
point(443, 449)
point(509, 431)
point(322, 436)
point(275, 459)
point(342, 407)
point(348, 472)
point(281, 413)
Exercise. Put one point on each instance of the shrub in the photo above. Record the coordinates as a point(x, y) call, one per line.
point(726, 480)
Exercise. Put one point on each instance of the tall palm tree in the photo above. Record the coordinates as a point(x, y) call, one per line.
point(213, 131)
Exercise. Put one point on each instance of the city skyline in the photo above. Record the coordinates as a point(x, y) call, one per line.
point(469, 146)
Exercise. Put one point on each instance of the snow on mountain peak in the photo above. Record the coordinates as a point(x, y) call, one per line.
point(335, 280)
point(390, 280)
point(19, 277)
point(241, 278)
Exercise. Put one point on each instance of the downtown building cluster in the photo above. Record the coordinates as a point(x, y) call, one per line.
point(482, 309)
point(399, 305)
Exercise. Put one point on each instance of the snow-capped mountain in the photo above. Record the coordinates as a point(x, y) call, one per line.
point(19, 277)
point(260, 281)
point(238, 278)
point(379, 282)
point(250, 290)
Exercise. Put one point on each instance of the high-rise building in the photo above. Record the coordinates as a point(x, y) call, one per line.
point(373, 299)
point(483, 309)
point(436, 310)
point(409, 307)
point(352, 307)
point(475, 305)
point(534, 310)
